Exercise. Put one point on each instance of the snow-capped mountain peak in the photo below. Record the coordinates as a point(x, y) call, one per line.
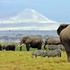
point(28, 15)
point(29, 19)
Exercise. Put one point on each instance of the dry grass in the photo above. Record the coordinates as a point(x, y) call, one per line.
point(23, 61)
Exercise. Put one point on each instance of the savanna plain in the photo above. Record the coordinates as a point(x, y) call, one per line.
point(23, 60)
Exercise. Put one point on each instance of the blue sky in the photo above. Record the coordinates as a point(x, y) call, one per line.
point(58, 10)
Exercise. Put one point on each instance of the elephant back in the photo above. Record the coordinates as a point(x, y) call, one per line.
point(29, 39)
point(52, 41)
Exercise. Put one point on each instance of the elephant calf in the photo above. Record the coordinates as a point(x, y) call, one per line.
point(53, 53)
point(10, 48)
point(39, 53)
point(31, 42)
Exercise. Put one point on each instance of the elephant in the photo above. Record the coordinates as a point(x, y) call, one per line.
point(31, 41)
point(64, 33)
point(48, 53)
point(39, 53)
point(61, 27)
point(0, 47)
point(53, 47)
point(8, 47)
point(52, 41)
point(53, 53)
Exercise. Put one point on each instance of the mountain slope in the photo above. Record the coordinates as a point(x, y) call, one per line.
point(29, 19)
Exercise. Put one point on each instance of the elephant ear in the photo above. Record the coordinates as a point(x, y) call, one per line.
point(61, 27)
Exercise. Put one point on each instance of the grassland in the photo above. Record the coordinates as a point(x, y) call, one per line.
point(22, 60)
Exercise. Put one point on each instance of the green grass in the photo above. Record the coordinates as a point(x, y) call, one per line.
point(22, 60)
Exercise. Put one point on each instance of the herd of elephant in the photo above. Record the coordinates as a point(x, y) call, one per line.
point(63, 32)
point(39, 42)
point(33, 42)
point(64, 35)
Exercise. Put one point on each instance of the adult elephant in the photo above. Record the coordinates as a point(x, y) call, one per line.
point(64, 32)
point(31, 41)
point(52, 41)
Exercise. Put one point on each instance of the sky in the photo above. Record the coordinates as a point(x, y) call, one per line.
point(57, 10)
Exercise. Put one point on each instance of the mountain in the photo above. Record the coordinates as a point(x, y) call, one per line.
point(29, 19)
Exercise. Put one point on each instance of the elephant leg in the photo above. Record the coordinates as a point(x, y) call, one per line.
point(68, 53)
point(67, 48)
point(45, 46)
point(27, 47)
point(68, 56)
point(59, 55)
point(21, 48)
point(66, 43)
point(39, 46)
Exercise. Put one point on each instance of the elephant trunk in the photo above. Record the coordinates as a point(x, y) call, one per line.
point(43, 43)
